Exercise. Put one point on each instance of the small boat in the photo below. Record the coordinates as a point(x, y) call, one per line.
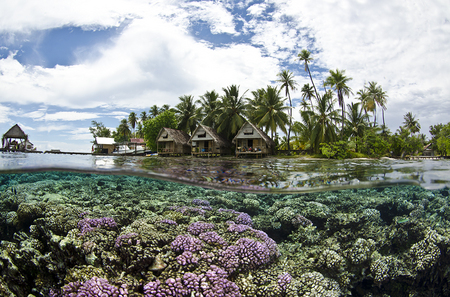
point(123, 149)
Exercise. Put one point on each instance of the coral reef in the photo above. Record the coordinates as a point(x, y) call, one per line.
point(74, 234)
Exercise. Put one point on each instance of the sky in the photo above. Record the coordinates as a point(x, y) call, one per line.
point(64, 64)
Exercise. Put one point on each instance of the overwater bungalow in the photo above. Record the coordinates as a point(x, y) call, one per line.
point(15, 140)
point(206, 142)
point(103, 145)
point(252, 141)
point(172, 142)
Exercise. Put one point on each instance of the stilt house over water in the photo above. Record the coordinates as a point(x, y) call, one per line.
point(206, 142)
point(15, 140)
point(252, 141)
point(172, 142)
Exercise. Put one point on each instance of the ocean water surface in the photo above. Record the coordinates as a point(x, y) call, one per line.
point(82, 225)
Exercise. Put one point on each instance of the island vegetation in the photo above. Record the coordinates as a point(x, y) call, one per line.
point(329, 127)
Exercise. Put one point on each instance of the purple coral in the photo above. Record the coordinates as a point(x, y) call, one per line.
point(186, 258)
point(284, 280)
point(212, 238)
point(168, 222)
point(228, 210)
point(213, 283)
point(244, 219)
point(125, 237)
point(248, 253)
point(94, 287)
point(199, 227)
point(87, 225)
point(239, 228)
point(200, 202)
point(186, 243)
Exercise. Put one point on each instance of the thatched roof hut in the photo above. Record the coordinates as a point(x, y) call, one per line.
point(250, 140)
point(170, 142)
point(15, 139)
point(206, 141)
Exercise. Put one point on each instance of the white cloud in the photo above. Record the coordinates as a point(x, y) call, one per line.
point(151, 62)
point(4, 114)
point(50, 128)
point(401, 45)
point(215, 13)
point(257, 9)
point(60, 116)
point(25, 127)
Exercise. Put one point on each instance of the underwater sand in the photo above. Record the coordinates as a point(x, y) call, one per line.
point(66, 233)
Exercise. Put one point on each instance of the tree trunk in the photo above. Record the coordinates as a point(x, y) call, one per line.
point(290, 125)
point(315, 90)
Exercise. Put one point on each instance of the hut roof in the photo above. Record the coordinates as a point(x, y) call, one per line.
point(15, 132)
point(104, 140)
point(178, 136)
point(219, 139)
point(137, 140)
point(263, 135)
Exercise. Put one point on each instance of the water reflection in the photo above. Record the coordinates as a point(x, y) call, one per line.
point(269, 174)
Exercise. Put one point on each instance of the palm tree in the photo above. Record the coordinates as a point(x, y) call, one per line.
point(253, 104)
point(303, 130)
point(411, 123)
point(140, 130)
point(338, 81)
point(143, 116)
point(271, 113)
point(187, 114)
point(231, 111)
point(154, 111)
point(378, 97)
point(324, 118)
point(307, 93)
point(164, 108)
point(132, 120)
point(356, 121)
point(305, 56)
point(123, 130)
point(286, 78)
point(366, 103)
point(208, 107)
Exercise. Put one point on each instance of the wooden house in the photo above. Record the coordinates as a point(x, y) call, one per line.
point(16, 140)
point(205, 141)
point(137, 145)
point(103, 145)
point(252, 141)
point(172, 142)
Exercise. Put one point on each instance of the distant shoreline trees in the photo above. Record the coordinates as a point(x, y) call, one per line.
point(324, 115)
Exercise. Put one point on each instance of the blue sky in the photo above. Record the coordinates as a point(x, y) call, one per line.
point(66, 63)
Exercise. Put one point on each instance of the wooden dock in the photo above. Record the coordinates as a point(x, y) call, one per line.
point(424, 157)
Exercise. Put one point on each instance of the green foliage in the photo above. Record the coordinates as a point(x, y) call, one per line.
point(323, 118)
point(403, 143)
point(99, 130)
point(123, 132)
point(231, 111)
point(336, 150)
point(188, 115)
point(373, 144)
point(166, 119)
point(440, 136)
point(270, 114)
point(443, 145)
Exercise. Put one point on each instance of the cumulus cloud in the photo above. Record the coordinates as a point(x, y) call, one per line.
point(401, 45)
